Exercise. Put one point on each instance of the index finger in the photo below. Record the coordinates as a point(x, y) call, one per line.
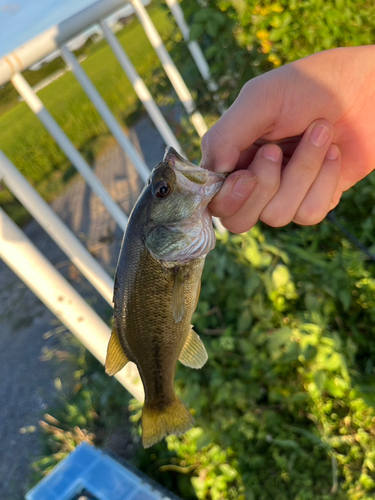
point(249, 117)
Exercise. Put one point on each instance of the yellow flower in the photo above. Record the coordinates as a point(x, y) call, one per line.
point(275, 60)
point(277, 7)
point(263, 34)
point(265, 10)
point(266, 46)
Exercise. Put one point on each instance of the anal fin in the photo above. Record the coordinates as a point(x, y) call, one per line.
point(116, 358)
point(193, 354)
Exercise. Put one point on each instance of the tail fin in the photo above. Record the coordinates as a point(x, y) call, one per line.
point(156, 424)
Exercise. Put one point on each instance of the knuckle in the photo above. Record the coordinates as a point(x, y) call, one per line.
point(236, 225)
point(218, 210)
point(274, 219)
point(211, 139)
point(306, 164)
point(247, 88)
point(309, 216)
point(267, 183)
point(206, 141)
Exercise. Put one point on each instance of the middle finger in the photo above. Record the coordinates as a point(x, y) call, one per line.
point(267, 168)
point(299, 174)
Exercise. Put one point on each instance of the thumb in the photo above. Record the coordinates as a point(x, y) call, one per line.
point(251, 115)
point(219, 154)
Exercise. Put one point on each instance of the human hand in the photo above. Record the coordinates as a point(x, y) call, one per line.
point(318, 113)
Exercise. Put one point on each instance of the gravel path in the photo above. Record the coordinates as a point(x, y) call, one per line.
point(27, 382)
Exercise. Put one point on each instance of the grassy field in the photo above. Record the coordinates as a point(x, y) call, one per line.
point(35, 153)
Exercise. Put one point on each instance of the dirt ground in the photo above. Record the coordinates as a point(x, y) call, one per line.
point(26, 382)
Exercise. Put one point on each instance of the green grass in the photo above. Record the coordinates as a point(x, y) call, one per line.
point(33, 150)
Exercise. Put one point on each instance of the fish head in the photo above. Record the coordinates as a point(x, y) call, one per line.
point(180, 224)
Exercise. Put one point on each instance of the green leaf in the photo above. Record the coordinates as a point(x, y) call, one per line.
point(276, 34)
point(280, 276)
point(320, 378)
point(252, 253)
point(367, 481)
point(212, 28)
point(228, 471)
point(335, 388)
point(244, 321)
point(252, 284)
point(345, 298)
point(196, 31)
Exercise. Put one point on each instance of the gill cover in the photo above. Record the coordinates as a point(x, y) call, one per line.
point(181, 225)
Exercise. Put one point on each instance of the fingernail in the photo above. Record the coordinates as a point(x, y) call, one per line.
point(271, 152)
point(243, 186)
point(332, 153)
point(319, 135)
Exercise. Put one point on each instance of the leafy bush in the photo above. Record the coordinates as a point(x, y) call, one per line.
point(242, 39)
point(285, 402)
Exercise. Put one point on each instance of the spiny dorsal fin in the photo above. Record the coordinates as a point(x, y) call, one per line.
point(178, 298)
point(116, 358)
point(194, 353)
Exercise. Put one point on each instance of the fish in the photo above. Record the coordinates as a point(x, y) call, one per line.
point(157, 285)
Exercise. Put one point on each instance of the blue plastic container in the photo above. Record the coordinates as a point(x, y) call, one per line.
point(96, 476)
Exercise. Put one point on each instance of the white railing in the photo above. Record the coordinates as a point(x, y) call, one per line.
point(17, 251)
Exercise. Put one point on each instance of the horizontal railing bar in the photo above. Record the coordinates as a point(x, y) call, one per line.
point(28, 263)
point(50, 40)
point(55, 227)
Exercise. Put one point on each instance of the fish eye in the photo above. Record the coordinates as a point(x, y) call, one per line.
point(162, 189)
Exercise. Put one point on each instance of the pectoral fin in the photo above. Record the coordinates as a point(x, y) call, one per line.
point(116, 358)
point(194, 353)
point(178, 298)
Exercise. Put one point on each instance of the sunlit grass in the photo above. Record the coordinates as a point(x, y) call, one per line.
point(33, 150)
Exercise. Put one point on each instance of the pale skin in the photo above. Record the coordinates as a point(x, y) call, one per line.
point(294, 140)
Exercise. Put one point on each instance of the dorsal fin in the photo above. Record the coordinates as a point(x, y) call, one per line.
point(116, 358)
point(194, 353)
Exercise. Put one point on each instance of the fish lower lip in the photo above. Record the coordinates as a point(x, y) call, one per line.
point(214, 188)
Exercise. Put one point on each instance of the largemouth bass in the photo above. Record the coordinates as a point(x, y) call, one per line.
point(157, 285)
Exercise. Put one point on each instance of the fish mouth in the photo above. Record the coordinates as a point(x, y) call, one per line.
point(171, 157)
point(208, 182)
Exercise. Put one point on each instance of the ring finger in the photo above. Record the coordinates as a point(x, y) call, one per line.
point(299, 174)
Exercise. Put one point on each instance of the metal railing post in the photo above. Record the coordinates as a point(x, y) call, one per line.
point(55, 227)
point(41, 277)
point(105, 113)
point(193, 45)
point(38, 108)
point(141, 89)
point(169, 67)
